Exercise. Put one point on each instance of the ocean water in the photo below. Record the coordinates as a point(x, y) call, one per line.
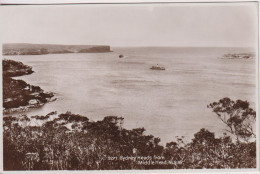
point(166, 103)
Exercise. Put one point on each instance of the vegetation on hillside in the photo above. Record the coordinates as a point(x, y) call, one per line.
point(73, 142)
point(13, 68)
point(17, 94)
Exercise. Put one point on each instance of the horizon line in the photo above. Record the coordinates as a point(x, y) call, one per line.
point(134, 46)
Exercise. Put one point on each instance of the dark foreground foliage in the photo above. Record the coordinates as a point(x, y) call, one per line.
point(72, 142)
point(238, 116)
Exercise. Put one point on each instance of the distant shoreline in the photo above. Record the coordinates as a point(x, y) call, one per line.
point(42, 49)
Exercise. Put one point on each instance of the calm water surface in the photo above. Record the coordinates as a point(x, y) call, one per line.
point(166, 103)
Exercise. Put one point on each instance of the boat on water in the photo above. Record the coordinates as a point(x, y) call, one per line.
point(238, 56)
point(121, 56)
point(157, 68)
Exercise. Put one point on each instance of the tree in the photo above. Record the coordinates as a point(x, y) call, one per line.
point(238, 116)
point(204, 137)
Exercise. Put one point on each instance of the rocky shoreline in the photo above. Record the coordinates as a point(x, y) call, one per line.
point(19, 96)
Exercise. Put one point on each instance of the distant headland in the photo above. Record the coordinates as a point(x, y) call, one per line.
point(40, 49)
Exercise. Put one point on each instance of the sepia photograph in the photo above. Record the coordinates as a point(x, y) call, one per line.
point(137, 86)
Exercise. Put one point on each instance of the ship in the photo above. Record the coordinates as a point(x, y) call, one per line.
point(157, 68)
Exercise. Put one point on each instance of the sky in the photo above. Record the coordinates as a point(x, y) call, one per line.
point(169, 24)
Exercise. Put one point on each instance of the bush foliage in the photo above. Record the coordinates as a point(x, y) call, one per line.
point(73, 142)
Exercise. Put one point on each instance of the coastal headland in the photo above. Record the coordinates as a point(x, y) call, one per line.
point(17, 94)
point(41, 49)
